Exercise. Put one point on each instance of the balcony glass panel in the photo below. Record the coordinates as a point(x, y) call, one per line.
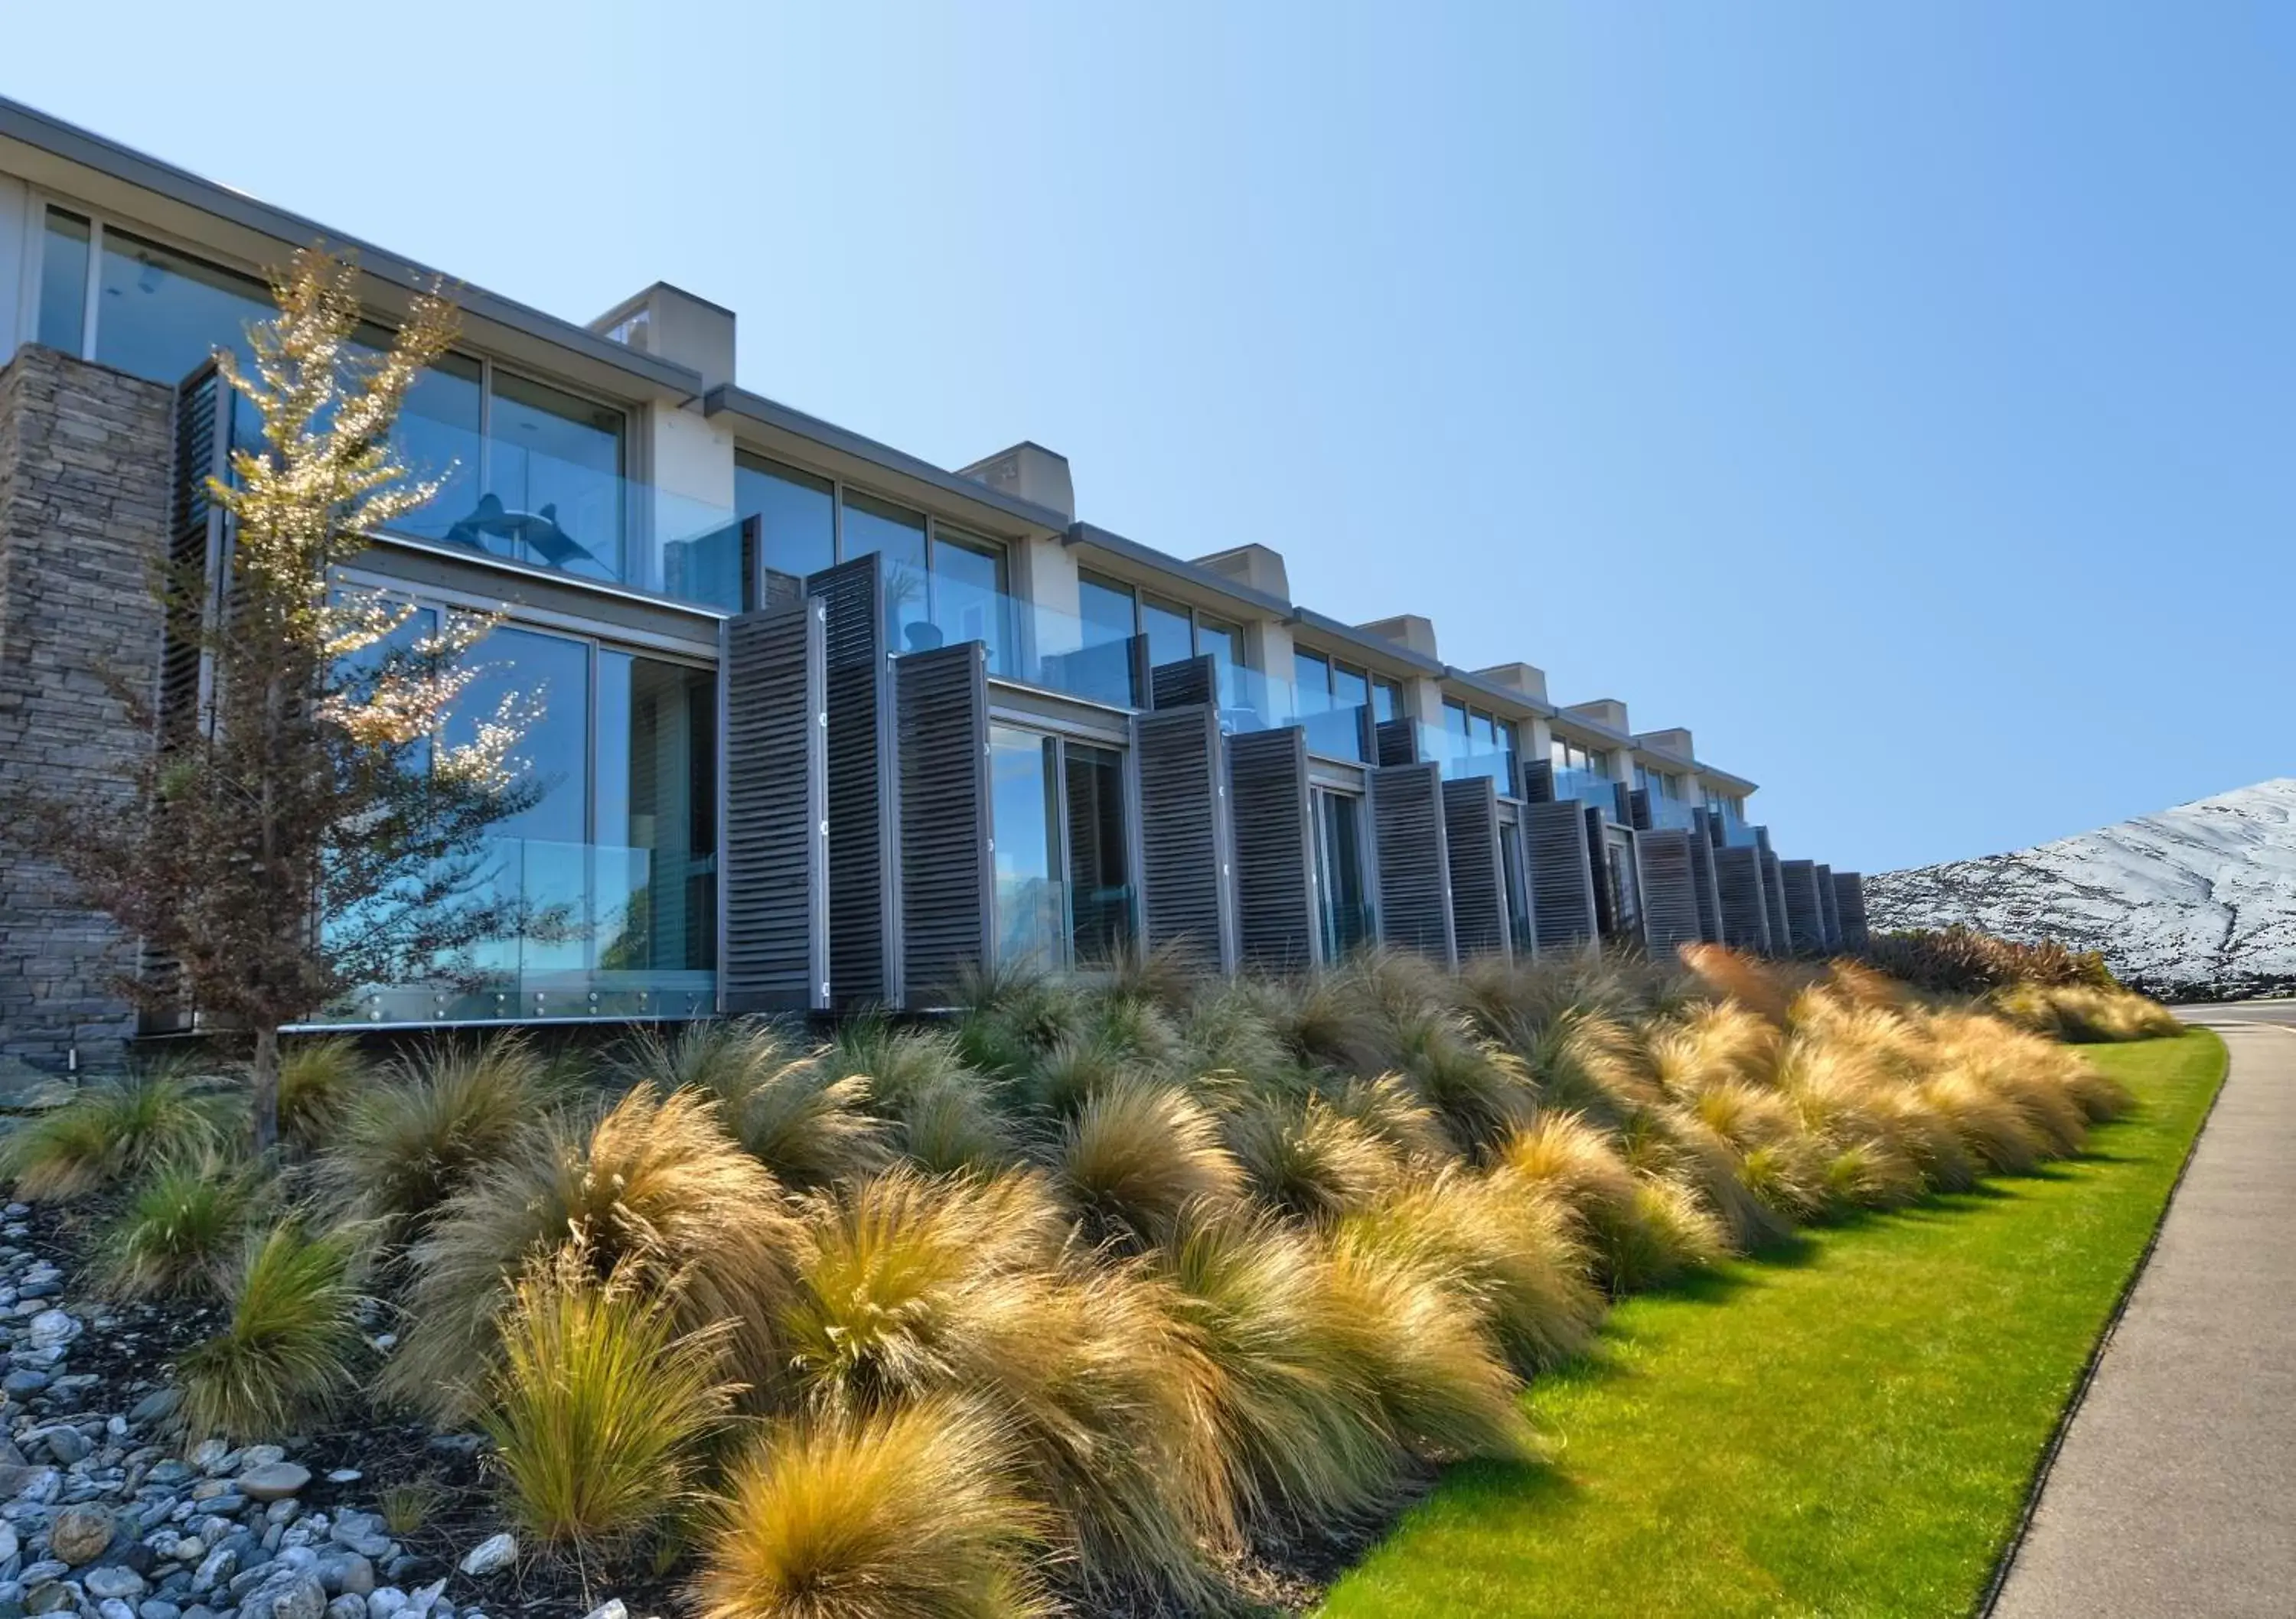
point(1589, 788)
point(796, 521)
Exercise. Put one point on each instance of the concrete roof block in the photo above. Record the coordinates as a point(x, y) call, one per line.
point(1603, 711)
point(1523, 677)
point(1407, 630)
point(1029, 472)
point(1258, 565)
point(673, 324)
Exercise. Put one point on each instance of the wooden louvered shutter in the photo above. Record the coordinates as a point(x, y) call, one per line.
point(864, 911)
point(1849, 902)
point(1829, 922)
point(947, 871)
point(1622, 812)
point(1471, 846)
point(1773, 895)
point(1798, 880)
point(774, 866)
point(1670, 891)
point(1275, 849)
point(1395, 742)
point(1745, 910)
point(1538, 780)
point(1638, 809)
point(1701, 879)
point(1185, 682)
point(196, 541)
point(1562, 879)
point(1414, 877)
point(1187, 896)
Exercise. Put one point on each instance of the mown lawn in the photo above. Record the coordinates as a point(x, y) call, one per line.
point(1845, 1428)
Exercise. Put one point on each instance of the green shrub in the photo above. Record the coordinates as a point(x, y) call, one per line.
point(180, 1230)
point(288, 1352)
point(319, 1080)
point(1961, 960)
point(433, 1120)
point(599, 1409)
point(114, 1131)
point(907, 1514)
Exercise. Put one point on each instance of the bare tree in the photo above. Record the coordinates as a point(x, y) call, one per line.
point(311, 829)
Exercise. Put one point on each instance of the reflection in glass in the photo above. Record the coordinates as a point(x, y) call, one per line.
point(438, 436)
point(655, 904)
point(1339, 874)
point(1102, 668)
point(1030, 913)
point(160, 314)
point(1171, 637)
point(63, 283)
point(969, 585)
point(797, 519)
point(553, 481)
point(1518, 889)
point(1099, 862)
point(878, 528)
point(1625, 886)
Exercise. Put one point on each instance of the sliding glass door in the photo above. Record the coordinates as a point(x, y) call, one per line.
point(1065, 887)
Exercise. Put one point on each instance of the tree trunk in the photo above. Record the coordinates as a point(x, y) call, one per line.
point(264, 1077)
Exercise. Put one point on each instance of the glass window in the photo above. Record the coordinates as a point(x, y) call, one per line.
point(875, 528)
point(159, 313)
point(1171, 635)
point(1311, 675)
point(438, 436)
point(1386, 700)
point(1457, 723)
point(1520, 931)
point(1031, 911)
point(1224, 642)
point(1339, 873)
point(63, 283)
point(1100, 855)
point(554, 672)
point(796, 521)
point(1107, 608)
point(654, 904)
point(969, 594)
point(553, 493)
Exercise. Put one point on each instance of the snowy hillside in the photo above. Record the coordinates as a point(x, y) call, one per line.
point(2200, 898)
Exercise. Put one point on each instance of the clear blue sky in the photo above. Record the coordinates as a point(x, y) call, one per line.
point(1903, 396)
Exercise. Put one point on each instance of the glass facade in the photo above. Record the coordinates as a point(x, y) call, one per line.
point(61, 322)
point(1064, 889)
point(1341, 891)
point(614, 863)
point(796, 515)
point(159, 313)
point(1477, 743)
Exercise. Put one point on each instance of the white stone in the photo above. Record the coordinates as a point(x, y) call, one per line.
point(490, 1556)
point(52, 1328)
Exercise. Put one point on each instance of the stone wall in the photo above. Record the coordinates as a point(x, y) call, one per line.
point(84, 456)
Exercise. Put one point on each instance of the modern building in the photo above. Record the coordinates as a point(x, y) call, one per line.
point(824, 724)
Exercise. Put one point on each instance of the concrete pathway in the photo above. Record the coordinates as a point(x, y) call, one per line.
point(2175, 1492)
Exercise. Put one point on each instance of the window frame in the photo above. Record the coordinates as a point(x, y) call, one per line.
point(1196, 616)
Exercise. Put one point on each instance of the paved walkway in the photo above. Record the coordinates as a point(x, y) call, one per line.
point(2175, 1492)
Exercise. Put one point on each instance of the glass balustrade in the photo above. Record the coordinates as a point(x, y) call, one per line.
point(1594, 790)
point(1672, 814)
point(612, 932)
point(1736, 833)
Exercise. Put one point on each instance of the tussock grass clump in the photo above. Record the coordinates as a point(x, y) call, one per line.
point(1298, 1427)
point(1137, 1154)
point(1305, 1158)
point(1643, 1230)
point(1508, 1250)
point(288, 1350)
point(437, 1118)
point(789, 1108)
point(319, 1079)
point(655, 1194)
point(2085, 1013)
point(906, 1514)
point(113, 1132)
point(600, 1407)
point(181, 1228)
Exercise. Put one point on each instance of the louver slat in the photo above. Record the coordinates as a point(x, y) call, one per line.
point(1702, 880)
point(1774, 895)
point(947, 872)
point(1395, 742)
point(1471, 844)
point(1849, 901)
point(1798, 880)
point(1745, 912)
point(1414, 877)
point(774, 871)
point(1670, 894)
point(1186, 683)
point(1829, 921)
point(863, 906)
point(1561, 889)
point(1186, 893)
point(1275, 849)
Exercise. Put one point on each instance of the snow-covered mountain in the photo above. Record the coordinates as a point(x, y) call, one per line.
point(2201, 898)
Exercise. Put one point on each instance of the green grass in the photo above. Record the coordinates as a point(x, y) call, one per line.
point(1847, 1426)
